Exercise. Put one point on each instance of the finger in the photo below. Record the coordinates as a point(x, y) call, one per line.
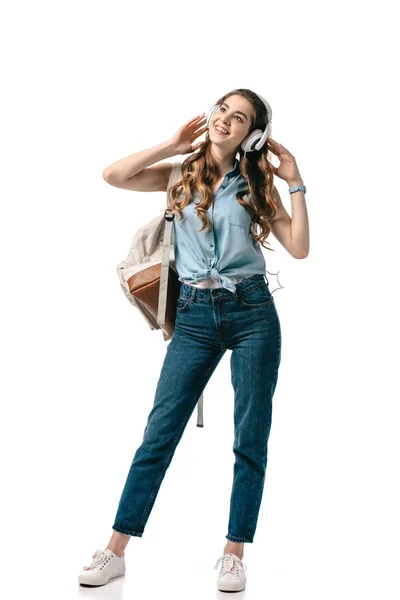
point(194, 119)
point(283, 149)
point(277, 145)
point(190, 121)
point(279, 149)
point(200, 131)
point(196, 134)
point(198, 123)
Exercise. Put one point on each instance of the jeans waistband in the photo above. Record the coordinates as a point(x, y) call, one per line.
point(193, 292)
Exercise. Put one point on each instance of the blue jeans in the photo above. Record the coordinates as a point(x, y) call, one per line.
point(208, 322)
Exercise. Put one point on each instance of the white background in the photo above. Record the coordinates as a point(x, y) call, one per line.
point(87, 83)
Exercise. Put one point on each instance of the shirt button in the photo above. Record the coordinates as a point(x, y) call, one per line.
point(211, 245)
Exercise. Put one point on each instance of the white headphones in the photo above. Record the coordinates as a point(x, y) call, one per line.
point(256, 139)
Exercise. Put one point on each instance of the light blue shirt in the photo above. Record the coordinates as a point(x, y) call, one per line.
point(227, 251)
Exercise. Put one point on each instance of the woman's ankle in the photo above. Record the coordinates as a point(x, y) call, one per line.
point(116, 551)
point(118, 543)
point(234, 548)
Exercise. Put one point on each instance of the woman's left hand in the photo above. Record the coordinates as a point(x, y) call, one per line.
point(287, 169)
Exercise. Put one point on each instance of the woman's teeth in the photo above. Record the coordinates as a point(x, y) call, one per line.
point(220, 132)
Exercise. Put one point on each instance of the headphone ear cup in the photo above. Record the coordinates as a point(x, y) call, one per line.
point(250, 141)
point(255, 136)
point(211, 112)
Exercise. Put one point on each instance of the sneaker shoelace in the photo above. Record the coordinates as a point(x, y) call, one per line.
point(230, 564)
point(98, 558)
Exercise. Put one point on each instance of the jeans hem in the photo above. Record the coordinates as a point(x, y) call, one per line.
point(126, 531)
point(234, 538)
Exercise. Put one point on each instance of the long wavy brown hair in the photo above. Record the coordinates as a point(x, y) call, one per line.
point(200, 172)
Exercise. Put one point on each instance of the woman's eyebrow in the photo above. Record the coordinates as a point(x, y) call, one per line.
point(238, 111)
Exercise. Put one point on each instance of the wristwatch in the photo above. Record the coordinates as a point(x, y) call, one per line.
point(297, 188)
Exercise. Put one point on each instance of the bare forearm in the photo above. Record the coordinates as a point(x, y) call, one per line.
point(300, 225)
point(134, 163)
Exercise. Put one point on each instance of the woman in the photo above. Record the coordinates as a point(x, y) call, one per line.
point(226, 193)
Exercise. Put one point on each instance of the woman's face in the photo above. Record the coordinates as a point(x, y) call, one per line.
point(234, 116)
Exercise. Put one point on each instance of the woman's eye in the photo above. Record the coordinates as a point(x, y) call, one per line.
point(222, 108)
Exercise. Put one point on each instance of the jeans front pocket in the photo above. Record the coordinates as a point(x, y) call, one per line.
point(182, 303)
point(257, 296)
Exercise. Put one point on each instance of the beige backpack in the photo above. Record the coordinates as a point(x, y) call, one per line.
point(148, 275)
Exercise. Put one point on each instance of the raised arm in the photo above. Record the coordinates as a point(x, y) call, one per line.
point(133, 171)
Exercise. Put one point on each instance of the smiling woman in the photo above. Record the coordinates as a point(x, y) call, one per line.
point(225, 205)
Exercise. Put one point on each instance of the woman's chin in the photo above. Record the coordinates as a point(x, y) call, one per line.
point(217, 139)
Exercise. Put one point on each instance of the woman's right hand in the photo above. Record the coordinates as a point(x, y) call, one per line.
point(185, 136)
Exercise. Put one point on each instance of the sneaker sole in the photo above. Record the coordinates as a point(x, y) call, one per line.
point(86, 581)
point(231, 587)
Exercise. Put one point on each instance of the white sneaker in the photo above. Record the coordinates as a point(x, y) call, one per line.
point(232, 577)
point(105, 566)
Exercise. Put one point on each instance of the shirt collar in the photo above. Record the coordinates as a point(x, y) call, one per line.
point(235, 169)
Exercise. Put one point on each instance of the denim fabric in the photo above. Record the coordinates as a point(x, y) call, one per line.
point(208, 322)
point(228, 250)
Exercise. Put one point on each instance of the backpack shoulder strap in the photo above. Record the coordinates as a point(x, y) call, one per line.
point(176, 175)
